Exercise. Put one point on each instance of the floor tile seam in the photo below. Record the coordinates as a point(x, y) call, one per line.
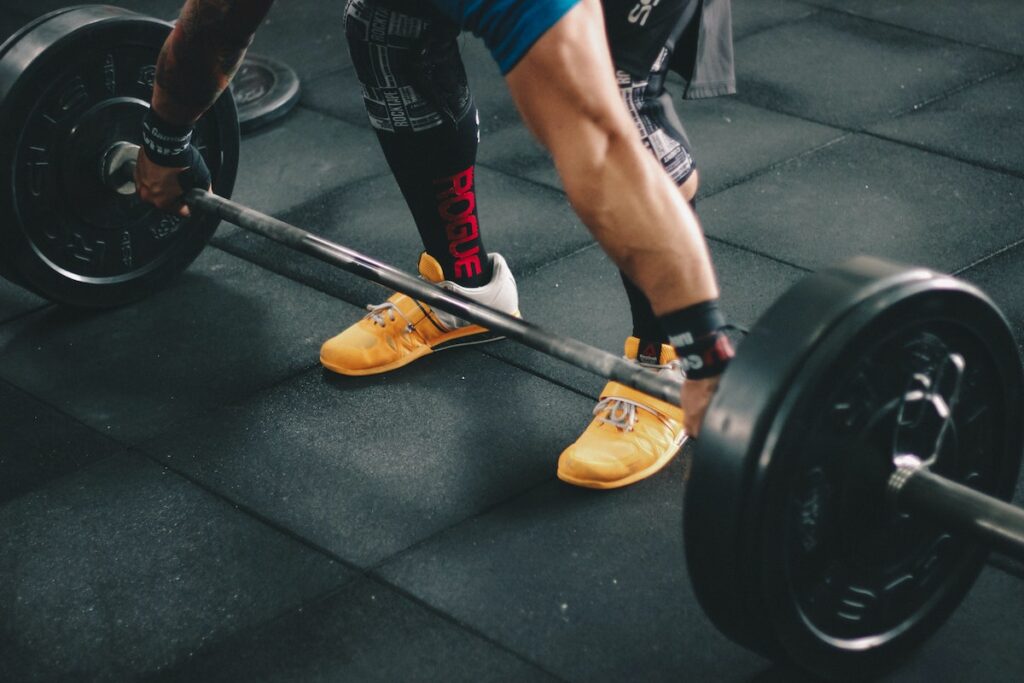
point(910, 29)
point(985, 259)
point(539, 184)
point(530, 370)
point(981, 165)
point(362, 125)
point(847, 132)
point(381, 564)
point(771, 166)
point(955, 90)
point(250, 512)
point(814, 10)
point(463, 625)
point(1007, 565)
point(196, 653)
point(356, 571)
point(59, 479)
point(115, 444)
point(24, 314)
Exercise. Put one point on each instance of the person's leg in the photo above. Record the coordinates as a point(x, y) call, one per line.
point(633, 435)
point(565, 89)
point(418, 101)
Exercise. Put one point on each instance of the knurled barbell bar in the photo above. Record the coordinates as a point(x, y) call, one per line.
point(852, 469)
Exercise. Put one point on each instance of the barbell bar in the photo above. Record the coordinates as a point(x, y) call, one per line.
point(852, 469)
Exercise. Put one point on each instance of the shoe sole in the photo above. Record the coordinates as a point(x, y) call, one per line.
point(457, 342)
point(653, 469)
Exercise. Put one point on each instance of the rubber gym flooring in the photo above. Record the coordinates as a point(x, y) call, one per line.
point(185, 495)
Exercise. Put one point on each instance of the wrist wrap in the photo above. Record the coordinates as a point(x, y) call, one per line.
point(697, 333)
point(165, 143)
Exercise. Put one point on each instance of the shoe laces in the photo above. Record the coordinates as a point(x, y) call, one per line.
point(385, 314)
point(621, 413)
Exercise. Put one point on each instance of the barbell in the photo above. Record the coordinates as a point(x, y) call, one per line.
point(852, 469)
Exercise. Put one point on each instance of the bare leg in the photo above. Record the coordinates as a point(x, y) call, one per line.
point(566, 91)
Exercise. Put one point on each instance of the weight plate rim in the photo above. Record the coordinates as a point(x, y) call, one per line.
point(31, 271)
point(860, 281)
point(755, 384)
point(928, 617)
point(280, 106)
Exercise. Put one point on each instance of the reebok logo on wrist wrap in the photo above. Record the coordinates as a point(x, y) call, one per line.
point(697, 334)
point(166, 144)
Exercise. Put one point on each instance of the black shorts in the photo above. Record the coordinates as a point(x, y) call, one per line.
point(638, 30)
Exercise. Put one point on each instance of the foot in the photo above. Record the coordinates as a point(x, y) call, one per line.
point(632, 435)
point(402, 329)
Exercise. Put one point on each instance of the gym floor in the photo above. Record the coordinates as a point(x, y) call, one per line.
point(186, 495)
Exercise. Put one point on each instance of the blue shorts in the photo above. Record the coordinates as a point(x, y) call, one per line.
point(509, 28)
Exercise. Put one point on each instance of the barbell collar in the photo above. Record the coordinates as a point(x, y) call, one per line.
point(918, 490)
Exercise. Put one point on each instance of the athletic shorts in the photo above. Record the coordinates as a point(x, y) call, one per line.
point(696, 33)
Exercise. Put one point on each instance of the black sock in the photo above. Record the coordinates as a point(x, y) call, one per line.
point(646, 326)
point(435, 170)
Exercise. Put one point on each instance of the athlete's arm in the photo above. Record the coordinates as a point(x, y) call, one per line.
point(202, 54)
point(195, 66)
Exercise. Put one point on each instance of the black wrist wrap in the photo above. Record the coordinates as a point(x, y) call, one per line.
point(165, 143)
point(698, 335)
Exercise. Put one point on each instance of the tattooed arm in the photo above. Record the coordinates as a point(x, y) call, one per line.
point(195, 66)
point(202, 54)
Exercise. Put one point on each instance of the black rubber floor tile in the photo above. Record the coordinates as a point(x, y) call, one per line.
point(300, 158)
point(40, 444)
point(366, 467)
point(530, 224)
point(980, 642)
point(752, 16)
point(307, 35)
point(15, 301)
point(338, 94)
point(582, 296)
point(989, 23)
point(124, 568)
point(366, 632)
point(225, 329)
point(850, 72)
point(590, 585)
point(867, 196)
point(732, 140)
point(980, 124)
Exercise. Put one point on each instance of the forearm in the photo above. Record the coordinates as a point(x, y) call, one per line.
point(202, 54)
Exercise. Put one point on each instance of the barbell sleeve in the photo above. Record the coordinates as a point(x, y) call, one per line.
point(916, 489)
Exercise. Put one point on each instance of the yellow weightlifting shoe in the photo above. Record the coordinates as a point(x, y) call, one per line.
point(402, 329)
point(632, 436)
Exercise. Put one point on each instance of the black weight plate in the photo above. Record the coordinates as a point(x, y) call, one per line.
point(265, 90)
point(70, 87)
point(791, 546)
